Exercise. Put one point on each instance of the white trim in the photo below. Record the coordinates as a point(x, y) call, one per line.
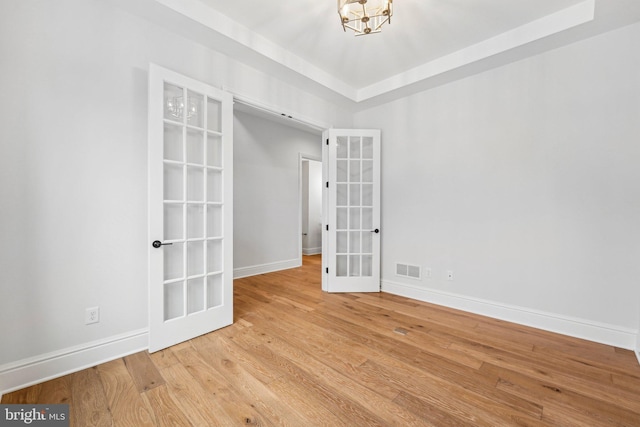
point(572, 326)
point(638, 347)
point(311, 251)
point(35, 370)
point(254, 270)
point(302, 251)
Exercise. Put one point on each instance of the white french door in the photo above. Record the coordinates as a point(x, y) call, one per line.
point(190, 208)
point(351, 243)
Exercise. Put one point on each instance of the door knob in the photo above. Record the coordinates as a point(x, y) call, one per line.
point(158, 243)
point(375, 231)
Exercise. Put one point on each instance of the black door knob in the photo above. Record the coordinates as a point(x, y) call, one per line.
point(158, 243)
point(375, 231)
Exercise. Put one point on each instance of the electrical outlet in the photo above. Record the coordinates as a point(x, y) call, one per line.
point(427, 273)
point(92, 315)
point(449, 274)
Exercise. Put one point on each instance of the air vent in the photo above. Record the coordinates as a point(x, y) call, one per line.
point(407, 270)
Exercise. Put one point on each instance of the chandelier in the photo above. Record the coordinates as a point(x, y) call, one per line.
point(365, 16)
point(176, 107)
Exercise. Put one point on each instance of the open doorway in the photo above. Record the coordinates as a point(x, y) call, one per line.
point(310, 205)
point(268, 190)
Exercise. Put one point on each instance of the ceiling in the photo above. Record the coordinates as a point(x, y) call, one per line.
point(427, 43)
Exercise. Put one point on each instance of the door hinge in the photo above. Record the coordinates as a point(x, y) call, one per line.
point(327, 270)
point(327, 184)
point(327, 141)
point(327, 227)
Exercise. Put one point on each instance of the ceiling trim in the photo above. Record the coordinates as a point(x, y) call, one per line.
point(547, 26)
point(565, 19)
point(225, 26)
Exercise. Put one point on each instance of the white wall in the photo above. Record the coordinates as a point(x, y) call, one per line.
point(266, 200)
point(73, 150)
point(525, 181)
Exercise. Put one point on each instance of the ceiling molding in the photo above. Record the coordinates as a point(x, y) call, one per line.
point(549, 25)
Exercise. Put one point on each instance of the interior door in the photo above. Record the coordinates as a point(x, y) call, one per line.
point(351, 244)
point(190, 208)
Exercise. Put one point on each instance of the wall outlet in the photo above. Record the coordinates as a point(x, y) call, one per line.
point(92, 315)
point(449, 274)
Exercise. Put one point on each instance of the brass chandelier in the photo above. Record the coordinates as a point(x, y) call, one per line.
point(365, 16)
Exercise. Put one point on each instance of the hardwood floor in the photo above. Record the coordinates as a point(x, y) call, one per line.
point(296, 356)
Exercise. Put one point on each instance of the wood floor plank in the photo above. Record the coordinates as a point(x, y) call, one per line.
point(125, 403)
point(296, 356)
point(165, 410)
point(238, 410)
point(143, 371)
point(89, 406)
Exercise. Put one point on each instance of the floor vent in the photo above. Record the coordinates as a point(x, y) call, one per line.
point(406, 270)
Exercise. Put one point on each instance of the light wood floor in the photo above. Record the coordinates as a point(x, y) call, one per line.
point(298, 357)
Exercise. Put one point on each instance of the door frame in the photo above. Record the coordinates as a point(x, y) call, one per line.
point(302, 158)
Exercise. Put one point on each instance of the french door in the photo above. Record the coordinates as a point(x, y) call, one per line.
point(351, 243)
point(190, 208)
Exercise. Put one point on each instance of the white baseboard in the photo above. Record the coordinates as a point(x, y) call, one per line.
point(311, 251)
point(27, 372)
point(254, 270)
point(638, 347)
point(575, 327)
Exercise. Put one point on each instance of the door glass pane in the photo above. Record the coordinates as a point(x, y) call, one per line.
point(214, 256)
point(214, 151)
point(342, 167)
point(214, 115)
point(342, 265)
point(367, 171)
point(214, 186)
point(354, 171)
point(195, 147)
point(342, 218)
point(172, 142)
point(367, 242)
point(354, 265)
point(214, 221)
point(195, 115)
point(354, 147)
point(195, 184)
point(172, 221)
point(195, 295)
point(215, 295)
point(367, 218)
point(172, 182)
point(342, 194)
point(173, 300)
point(195, 221)
point(342, 147)
point(367, 194)
point(354, 194)
point(354, 242)
point(173, 102)
point(342, 242)
point(354, 219)
point(195, 258)
point(367, 147)
point(173, 261)
point(367, 265)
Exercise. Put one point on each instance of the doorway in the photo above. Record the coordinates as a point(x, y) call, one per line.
point(310, 205)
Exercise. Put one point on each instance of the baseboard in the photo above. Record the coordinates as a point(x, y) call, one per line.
point(35, 370)
point(311, 251)
point(254, 270)
point(575, 327)
point(638, 347)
